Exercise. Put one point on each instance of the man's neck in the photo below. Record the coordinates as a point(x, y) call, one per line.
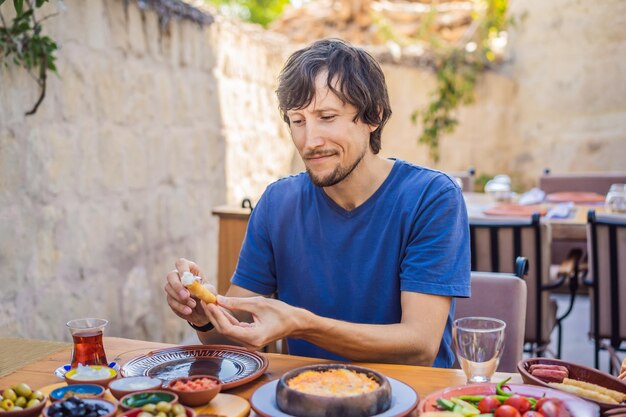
point(362, 183)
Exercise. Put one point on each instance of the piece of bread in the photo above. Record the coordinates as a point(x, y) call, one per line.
point(582, 392)
point(616, 395)
point(196, 289)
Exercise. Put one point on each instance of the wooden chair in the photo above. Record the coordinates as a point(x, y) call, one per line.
point(466, 177)
point(487, 300)
point(495, 245)
point(597, 182)
point(607, 249)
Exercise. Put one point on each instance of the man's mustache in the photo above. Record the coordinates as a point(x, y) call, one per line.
point(318, 154)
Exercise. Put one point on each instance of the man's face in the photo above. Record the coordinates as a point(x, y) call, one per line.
point(330, 143)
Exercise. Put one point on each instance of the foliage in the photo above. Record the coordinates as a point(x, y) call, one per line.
point(457, 68)
point(22, 43)
point(262, 12)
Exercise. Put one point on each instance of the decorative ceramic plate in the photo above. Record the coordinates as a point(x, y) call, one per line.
point(577, 406)
point(403, 400)
point(575, 197)
point(232, 365)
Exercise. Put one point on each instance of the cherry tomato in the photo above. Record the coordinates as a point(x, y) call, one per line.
point(532, 414)
point(520, 403)
point(552, 407)
point(488, 404)
point(506, 411)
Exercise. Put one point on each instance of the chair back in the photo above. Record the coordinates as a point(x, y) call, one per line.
point(597, 182)
point(502, 296)
point(607, 258)
point(495, 245)
point(466, 177)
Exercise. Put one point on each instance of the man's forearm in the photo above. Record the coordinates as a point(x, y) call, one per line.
point(392, 343)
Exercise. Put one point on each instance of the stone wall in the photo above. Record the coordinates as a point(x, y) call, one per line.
point(117, 173)
point(558, 102)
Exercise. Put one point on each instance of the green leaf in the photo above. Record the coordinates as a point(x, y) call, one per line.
point(19, 6)
point(1, 2)
point(40, 3)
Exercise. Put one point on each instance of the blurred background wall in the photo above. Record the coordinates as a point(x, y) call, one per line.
point(149, 126)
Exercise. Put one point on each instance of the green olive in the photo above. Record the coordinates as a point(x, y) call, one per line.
point(22, 390)
point(34, 402)
point(9, 394)
point(16, 408)
point(178, 409)
point(144, 414)
point(163, 406)
point(161, 414)
point(37, 395)
point(20, 402)
point(7, 404)
point(183, 414)
point(149, 408)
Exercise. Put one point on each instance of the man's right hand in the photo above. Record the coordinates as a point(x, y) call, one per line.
point(178, 297)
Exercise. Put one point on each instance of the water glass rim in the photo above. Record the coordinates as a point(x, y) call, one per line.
point(501, 324)
point(90, 321)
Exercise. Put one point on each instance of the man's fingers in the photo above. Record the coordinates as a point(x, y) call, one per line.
point(248, 304)
point(185, 265)
point(178, 307)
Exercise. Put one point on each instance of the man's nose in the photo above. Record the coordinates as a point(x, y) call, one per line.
point(313, 136)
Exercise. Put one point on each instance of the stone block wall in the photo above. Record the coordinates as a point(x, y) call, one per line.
point(116, 175)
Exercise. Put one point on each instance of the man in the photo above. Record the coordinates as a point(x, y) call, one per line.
point(362, 253)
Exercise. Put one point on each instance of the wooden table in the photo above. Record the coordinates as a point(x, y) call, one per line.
point(423, 379)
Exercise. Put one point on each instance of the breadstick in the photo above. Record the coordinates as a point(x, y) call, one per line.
point(581, 392)
point(196, 289)
point(616, 395)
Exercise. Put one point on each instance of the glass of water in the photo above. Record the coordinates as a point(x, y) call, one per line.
point(479, 342)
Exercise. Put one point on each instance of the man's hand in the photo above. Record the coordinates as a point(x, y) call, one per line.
point(623, 371)
point(178, 297)
point(271, 320)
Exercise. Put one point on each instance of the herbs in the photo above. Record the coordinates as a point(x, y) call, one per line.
point(23, 44)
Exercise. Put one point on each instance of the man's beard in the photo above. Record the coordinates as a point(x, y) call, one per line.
point(339, 174)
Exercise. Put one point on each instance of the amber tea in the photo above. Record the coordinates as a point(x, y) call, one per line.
point(88, 345)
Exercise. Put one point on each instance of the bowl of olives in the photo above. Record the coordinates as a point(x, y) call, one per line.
point(81, 407)
point(149, 410)
point(21, 401)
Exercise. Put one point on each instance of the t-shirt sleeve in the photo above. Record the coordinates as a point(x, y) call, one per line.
point(437, 257)
point(255, 269)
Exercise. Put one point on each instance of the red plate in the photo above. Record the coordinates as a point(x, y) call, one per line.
point(515, 210)
point(577, 406)
point(575, 197)
point(232, 365)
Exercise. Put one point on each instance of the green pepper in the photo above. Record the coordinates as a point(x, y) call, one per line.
point(445, 404)
point(499, 389)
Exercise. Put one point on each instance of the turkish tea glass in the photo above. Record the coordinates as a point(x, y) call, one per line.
point(479, 342)
point(88, 346)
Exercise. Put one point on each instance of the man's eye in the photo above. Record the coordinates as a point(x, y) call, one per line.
point(329, 117)
point(297, 122)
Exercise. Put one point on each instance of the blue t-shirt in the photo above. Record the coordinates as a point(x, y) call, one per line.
point(412, 234)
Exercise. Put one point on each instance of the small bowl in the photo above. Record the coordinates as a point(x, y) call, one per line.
point(78, 390)
point(71, 379)
point(123, 386)
point(138, 399)
point(27, 412)
point(579, 372)
point(135, 412)
point(195, 398)
point(298, 403)
point(111, 407)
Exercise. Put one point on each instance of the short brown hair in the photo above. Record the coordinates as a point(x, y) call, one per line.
point(360, 82)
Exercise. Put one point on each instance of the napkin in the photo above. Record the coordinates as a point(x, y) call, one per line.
point(534, 196)
point(560, 211)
